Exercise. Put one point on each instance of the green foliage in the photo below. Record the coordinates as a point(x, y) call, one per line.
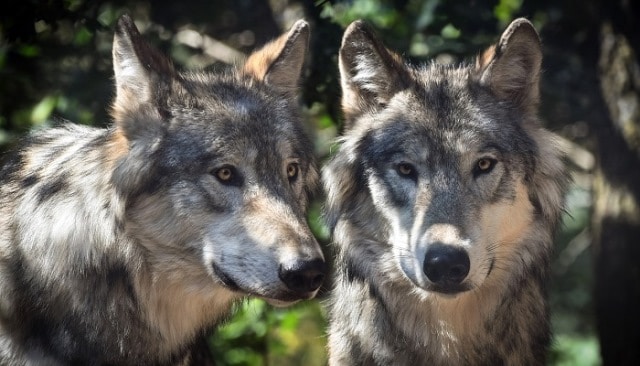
point(381, 13)
point(574, 349)
point(259, 335)
point(450, 32)
point(41, 111)
point(316, 223)
point(506, 9)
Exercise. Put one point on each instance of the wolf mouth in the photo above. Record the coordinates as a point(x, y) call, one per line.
point(442, 289)
point(491, 265)
point(224, 278)
point(280, 299)
point(448, 290)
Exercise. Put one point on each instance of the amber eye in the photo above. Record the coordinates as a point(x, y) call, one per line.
point(292, 171)
point(224, 174)
point(483, 166)
point(405, 169)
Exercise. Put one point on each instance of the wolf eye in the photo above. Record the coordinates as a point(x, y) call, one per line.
point(292, 171)
point(405, 169)
point(483, 166)
point(224, 174)
point(228, 175)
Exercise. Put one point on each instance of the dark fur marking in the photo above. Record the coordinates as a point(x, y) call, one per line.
point(55, 151)
point(379, 150)
point(351, 271)
point(10, 164)
point(213, 204)
point(437, 96)
point(48, 189)
point(380, 146)
point(119, 278)
point(29, 181)
point(355, 352)
point(151, 182)
point(537, 206)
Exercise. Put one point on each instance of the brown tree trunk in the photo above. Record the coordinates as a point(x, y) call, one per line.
point(616, 210)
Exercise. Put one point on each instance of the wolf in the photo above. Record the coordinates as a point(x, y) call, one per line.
point(126, 245)
point(442, 200)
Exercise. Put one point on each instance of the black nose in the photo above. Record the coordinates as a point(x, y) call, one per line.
point(303, 276)
point(446, 264)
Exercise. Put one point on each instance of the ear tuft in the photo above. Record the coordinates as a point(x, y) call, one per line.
point(511, 68)
point(370, 74)
point(143, 78)
point(132, 54)
point(280, 62)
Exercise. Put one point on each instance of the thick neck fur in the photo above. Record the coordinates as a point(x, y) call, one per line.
point(507, 313)
point(178, 303)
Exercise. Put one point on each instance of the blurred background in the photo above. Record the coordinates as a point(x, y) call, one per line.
point(55, 64)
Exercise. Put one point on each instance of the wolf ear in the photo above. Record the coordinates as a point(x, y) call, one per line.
point(370, 74)
point(142, 77)
point(279, 63)
point(511, 68)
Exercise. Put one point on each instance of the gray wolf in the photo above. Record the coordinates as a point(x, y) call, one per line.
point(443, 200)
point(126, 245)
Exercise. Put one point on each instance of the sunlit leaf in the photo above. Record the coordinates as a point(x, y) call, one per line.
point(82, 36)
point(108, 15)
point(325, 121)
point(570, 349)
point(42, 111)
point(28, 50)
point(505, 10)
point(450, 32)
point(73, 5)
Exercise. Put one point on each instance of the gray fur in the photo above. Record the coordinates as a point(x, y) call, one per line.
point(437, 156)
point(126, 245)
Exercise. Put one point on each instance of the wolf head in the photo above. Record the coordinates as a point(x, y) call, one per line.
point(447, 166)
point(215, 169)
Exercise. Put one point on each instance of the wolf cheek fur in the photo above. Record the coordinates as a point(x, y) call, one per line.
point(443, 199)
point(125, 245)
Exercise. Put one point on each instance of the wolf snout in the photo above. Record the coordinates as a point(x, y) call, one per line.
point(304, 276)
point(446, 265)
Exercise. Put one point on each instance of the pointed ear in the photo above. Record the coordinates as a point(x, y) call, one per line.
point(370, 74)
point(143, 77)
point(279, 63)
point(511, 68)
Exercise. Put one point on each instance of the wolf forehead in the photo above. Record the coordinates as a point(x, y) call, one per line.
point(208, 112)
point(230, 96)
point(447, 111)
